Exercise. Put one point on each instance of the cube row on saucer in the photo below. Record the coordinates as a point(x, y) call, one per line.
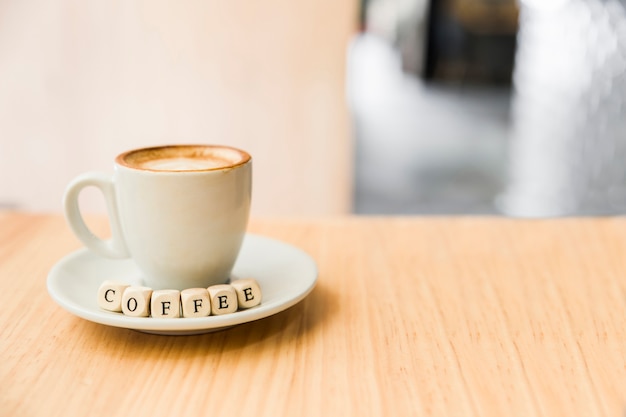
point(139, 301)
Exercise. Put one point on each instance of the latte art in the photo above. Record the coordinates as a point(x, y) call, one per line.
point(185, 164)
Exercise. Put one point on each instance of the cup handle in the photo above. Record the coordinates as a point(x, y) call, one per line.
point(112, 248)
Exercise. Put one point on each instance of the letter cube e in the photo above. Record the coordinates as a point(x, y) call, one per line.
point(223, 299)
point(248, 292)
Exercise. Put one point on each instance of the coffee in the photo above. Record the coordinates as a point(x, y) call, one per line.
point(183, 158)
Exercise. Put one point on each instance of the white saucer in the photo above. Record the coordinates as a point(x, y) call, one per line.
point(285, 274)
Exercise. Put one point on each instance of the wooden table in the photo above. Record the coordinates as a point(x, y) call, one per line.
point(411, 316)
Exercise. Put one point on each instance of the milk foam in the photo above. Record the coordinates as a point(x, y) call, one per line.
point(185, 164)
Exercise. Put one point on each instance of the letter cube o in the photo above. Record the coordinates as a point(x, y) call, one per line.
point(136, 301)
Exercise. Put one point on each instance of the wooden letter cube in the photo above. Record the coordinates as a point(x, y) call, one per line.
point(165, 304)
point(223, 299)
point(195, 302)
point(110, 295)
point(248, 292)
point(136, 301)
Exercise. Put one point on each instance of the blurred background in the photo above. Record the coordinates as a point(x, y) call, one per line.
point(499, 107)
point(490, 107)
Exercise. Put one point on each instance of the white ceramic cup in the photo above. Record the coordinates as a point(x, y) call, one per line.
point(180, 212)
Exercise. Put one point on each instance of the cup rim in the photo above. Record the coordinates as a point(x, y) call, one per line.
point(121, 159)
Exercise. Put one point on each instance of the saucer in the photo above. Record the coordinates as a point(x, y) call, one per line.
point(285, 274)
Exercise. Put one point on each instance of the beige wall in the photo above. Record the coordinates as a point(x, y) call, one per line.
point(82, 81)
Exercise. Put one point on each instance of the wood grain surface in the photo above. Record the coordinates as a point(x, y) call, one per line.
point(411, 316)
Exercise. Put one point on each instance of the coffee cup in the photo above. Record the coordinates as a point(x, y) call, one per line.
point(180, 212)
